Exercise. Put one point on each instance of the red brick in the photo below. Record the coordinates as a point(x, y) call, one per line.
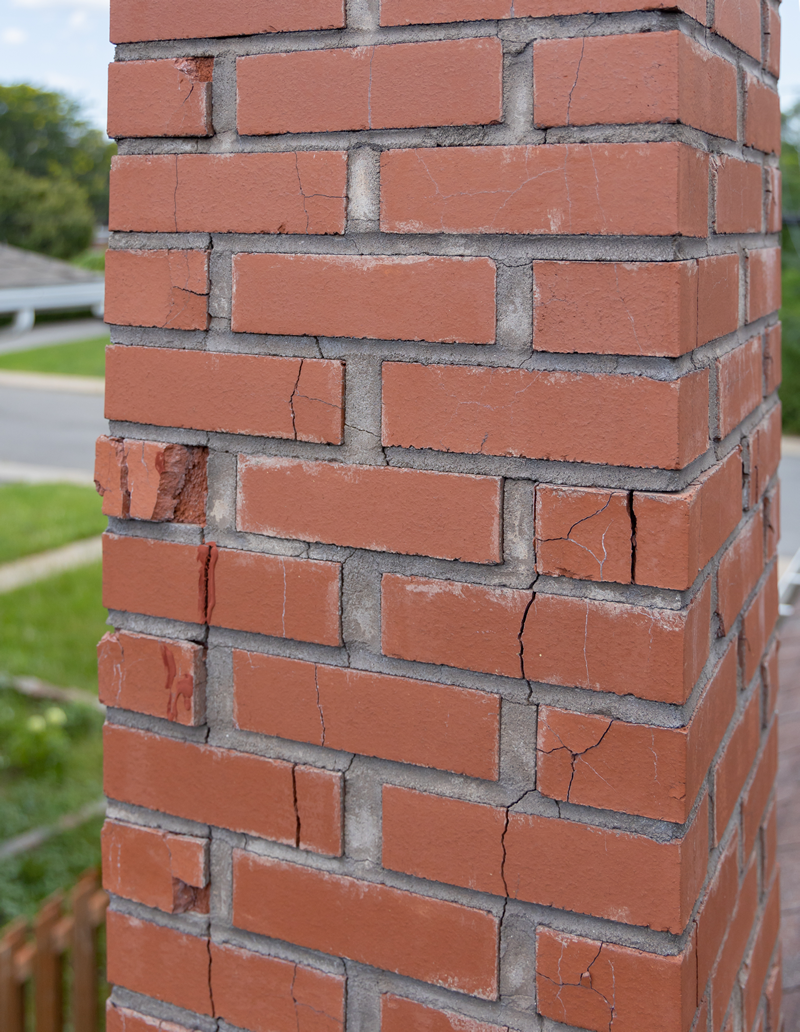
point(765, 453)
point(769, 671)
point(598, 188)
point(775, 996)
point(148, 480)
point(395, 718)
point(281, 597)
point(400, 1015)
point(677, 534)
point(757, 794)
point(715, 914)
point(121, 1019)
point(772, 359)
point(718, 297)
point(159, 962)
point(762, 123)
point(228, 789)
point(150, 675)
point(635, 768)
point(759, 622)
point(138, 865)
point(593, 985)
point(160, 98)
point(168, 289)
point(734, 766)
point(448, 82)
point(764, 282)
point(136, 20)
point(413, 512)
point(740, 22)
point(758, 963)
point(603, 646)
point(157, 578)
point(428, 939)
point(421, 12)
point(773, 42)
point(287, 192)
point(566, 416)
point(774, 201)
point(571, 866)
point(657, 77)
point(772, 521)
point(740, 197)
point(732, 952)
point(739, 571)
point(583, 532)
point(266, 994)
point(263, 395)
point(654, 654)
point(451, 300)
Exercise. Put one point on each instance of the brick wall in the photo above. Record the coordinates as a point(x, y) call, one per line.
point(441, 480)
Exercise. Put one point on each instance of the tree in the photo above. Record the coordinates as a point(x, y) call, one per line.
point(790, 312)
point(43, 135)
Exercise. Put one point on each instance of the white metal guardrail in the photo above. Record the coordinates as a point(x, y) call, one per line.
point(787, 583)
point(26, 301)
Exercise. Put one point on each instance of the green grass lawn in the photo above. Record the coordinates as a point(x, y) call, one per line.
point(790, 317)
point(36, 517)
point(78, 358)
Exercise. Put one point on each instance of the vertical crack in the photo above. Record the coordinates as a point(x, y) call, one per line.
point(292, 396)
point(632, 515)
point(210, 980)
point(296, 807)
point(577, 73)
point(522, 632)
point(319, 704)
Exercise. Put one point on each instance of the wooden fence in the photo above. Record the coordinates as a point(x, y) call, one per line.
point(38, 952)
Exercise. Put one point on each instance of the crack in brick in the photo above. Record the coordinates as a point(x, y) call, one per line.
point(577, 74)
point(632, 517)
point(581, 984)
point(319, 703)
point(296, 808)
point(522, 631)
point(292, 396)
point(210, 982)
point(575, 756)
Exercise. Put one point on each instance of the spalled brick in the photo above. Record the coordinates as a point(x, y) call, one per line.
point(772, 359)
point(393, 510)
point(395, 718)
point(160, 962)
point(565, 416)
point(764, 282)
point(677, 534)
point(162, 678)
point(168, 289)
point(139, 20)
point(740, 22)
point(602, 646)
point(733, 950)
point(584, 533)
point(740, 199)
point(635, 768)
point(228, 789)
point(758, 963)
point(281, 597)
point(448, 82)
point(160, 98)
point(148, 480)
point(657, 77)
point(229, 193)
point(757, 794)
point(400, 1015)
point(592, 984)
point(597, 188)
point(765, 453)
point(450, 300)
point(428, 939)
point(577, 867)
point(759, 622)
point(158, 578)
point(762, 123)
point(734, 766)
point(169, 872)
point(266, 994)
point(739, 571)
point(261, 395)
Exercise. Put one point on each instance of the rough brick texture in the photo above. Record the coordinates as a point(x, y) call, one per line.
point(442, 483)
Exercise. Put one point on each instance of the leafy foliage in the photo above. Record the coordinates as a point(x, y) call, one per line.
point(790, 313)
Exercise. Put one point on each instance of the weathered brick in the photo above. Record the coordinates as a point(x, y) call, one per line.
point(739, 570)
point(448, 82)
point(158, 578)
point(573, 417)
point(759, 622)
point(229, 193)
point(122, 1019)
point(762, 122)
point(756, 796)
point(597, 188)
point(395, 718)
point(732, 952)
point(160, 98)
point(763, 282)
point(400, 1015)
point(740, 22)
point(772, 359)
point(740, 196)
point(422, 12)
point(714, 916)
point(765, 453)
point(734, 766)
point(757, 965)
point(583, 532)
point(168, 289)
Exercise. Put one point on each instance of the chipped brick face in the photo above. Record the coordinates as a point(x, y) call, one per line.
point(442, 498)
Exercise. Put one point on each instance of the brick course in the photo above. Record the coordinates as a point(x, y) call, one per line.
point(441, 479)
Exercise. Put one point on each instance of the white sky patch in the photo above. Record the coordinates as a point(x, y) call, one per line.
point(14, 37)
point(96, 5)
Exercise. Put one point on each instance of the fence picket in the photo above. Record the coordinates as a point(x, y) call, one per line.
point(12, 989)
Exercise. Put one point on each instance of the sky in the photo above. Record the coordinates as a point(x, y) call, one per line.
point(63, 45)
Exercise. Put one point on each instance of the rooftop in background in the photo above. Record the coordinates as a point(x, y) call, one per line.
point(20, 268)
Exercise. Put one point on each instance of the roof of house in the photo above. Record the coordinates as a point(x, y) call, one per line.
point(19, 268)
